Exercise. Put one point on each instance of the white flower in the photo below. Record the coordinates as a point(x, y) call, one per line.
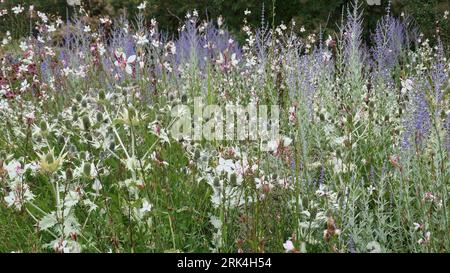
point(24, 85)
point(18, 9)
point(247, 12)
point(251, 61)
point(155, 43)
point(23, 68)
point(417, 226)
point(167, 66)
point(10, 199)
point(41, 39)
point(272, 145)
point(326, 57)
point(146, 207)
point(287, 141)
point(97, 186)
point(18, 196)
point(105, 20)
point(90, 204)
point(425, 240)
point(23, 46)
point(51, 28)
point(87, 29)
point(215, 221)
point(29, 116)
point(220, 21)
point(42, 16)
point(65, 246)
point(142, 5)
point(171, 48)
point(225, 165)
point(234, 61)
point(329, 41)
point(14, 169)
point(288, 245)
point(123, 62)
point(5, 41)
point(101, 49)
point(141, 39)
point(221, 59)
point(407, 85)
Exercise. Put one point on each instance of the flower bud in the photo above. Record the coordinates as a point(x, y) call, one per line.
point(233, 179)
point(101, 95)
point(87, 169)
point(86, 123)
point(322, 117)
point(67, 124)
point(61, 139)
point(184, 98)
point(196, 154)
point(49, 158)
point(112, 145)
point(216, 182)
point(99, 117)
point(69, 174)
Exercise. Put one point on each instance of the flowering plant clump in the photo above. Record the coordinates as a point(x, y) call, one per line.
point(89, 161)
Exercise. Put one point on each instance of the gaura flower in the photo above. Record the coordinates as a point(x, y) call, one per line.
point(123, 62)
point(141, 39)
point(18, 9)
point(289, 246)
point(146, 207)
point(142, 5)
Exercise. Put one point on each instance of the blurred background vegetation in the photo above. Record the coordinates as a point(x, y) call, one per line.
point(313, 14)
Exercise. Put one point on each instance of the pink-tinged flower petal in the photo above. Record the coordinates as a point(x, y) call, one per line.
point(128, 69)
point(288, 246)
point(131, 59)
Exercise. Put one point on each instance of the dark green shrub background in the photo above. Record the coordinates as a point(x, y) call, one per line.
point(311, 13)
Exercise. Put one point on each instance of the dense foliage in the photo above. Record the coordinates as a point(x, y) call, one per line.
point(88, 162)
point(313, 14)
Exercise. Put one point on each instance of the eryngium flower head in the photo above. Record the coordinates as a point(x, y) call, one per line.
point(49, 163)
